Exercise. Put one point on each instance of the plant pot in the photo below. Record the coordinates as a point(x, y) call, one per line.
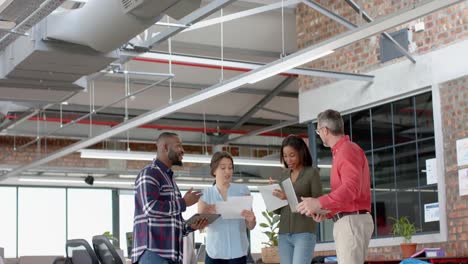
point(270, 255)
point(407, 249)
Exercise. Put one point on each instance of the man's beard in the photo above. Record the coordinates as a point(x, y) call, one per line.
point(174, 158)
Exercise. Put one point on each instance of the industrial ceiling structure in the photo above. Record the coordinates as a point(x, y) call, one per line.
point(218, 72)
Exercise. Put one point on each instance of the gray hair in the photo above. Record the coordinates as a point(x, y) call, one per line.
point(332, 120)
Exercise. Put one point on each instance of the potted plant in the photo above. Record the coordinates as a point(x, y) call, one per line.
point(270, 252)
point(404, 228)
point(111, 237)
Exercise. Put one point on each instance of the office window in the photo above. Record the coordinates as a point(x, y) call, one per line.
point(126, 209)
point(41, 221)
point(397, 138)
point(89, 213)
point(360, 126)
point(8, 221)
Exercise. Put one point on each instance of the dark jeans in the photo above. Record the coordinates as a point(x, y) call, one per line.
point(150, 257)
point(241, 260)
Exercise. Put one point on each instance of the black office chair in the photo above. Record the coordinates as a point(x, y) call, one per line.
point(105, 251)
point(80, 252)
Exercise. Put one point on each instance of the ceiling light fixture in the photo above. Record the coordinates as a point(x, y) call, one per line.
point(49, 180)
point(65, 181)
point(190, 158)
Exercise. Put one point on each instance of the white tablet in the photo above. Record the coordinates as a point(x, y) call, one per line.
point(210, 217)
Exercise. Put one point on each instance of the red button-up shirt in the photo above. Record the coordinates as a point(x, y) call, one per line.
point(350, 179)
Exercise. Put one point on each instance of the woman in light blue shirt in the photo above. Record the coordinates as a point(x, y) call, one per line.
point(226, 240)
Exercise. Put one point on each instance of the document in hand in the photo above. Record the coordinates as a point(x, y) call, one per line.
point(232, 208)
point(290, 194)
point(272, 202)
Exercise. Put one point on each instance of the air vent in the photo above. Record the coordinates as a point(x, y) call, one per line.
point(129, 5)
point(126, 4)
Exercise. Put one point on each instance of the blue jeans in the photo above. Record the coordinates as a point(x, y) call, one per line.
point(150, 257)
point(241, 260)
point(296, 248)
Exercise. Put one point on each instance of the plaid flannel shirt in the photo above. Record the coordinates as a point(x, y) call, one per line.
point(158, 225)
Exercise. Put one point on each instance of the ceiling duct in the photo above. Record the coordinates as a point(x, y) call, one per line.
point(46, 71)
point(123, 20)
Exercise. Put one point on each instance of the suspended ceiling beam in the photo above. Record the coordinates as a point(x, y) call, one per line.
point(324, 11)
point(264, 130)
point(198, 61)
point(265, 100)
point(278, 112)
point(192, 86)
point(189, 19)
point(290, 61)
point(348, 24)
point(242, 14)
point(201, 48)
point(24, 116)
point(116, 114)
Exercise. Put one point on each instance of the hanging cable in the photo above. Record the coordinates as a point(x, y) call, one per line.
point(127, 93)
point(38, 145)
point(283, 53)
point(204, 131)
point(169, 42)
point(44, 118)
point(222, 46)
point(61, 116)
point(94, 97)
point(91, 107)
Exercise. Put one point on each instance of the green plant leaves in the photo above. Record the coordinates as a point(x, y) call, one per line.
point(272, 227)
point(403, 227)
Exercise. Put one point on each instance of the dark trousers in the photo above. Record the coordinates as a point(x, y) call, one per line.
point(241, 260)
point(150, 257)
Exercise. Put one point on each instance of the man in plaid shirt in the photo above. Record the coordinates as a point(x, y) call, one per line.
point(158, 226)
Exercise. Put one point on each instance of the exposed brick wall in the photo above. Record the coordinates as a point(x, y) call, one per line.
point(23, 156)
point(454, 102)
point(30, 153)
point(441, 28)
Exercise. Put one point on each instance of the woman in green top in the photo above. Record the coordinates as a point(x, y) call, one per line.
point(297, 232)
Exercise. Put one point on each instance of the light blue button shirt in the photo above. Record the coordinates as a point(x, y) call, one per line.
point(226, 238)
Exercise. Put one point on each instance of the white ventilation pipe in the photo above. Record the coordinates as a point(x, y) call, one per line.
point(105, 25)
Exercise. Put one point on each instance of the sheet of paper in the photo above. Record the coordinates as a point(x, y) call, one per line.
point(232, 208)
point(431, 212)
point(462, 152)
point(290, 194)
point(272, 202)
point(463, 181)
point(431, 171)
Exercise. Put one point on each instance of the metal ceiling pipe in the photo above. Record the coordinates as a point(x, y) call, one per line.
point(106, 25)
point(149, 126)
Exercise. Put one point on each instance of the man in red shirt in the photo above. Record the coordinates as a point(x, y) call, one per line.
point(349, 201)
